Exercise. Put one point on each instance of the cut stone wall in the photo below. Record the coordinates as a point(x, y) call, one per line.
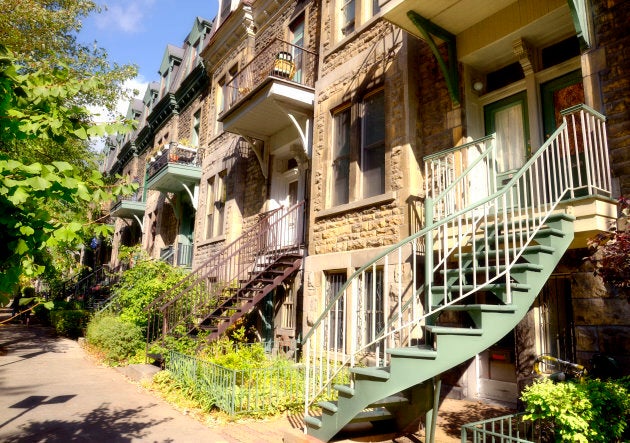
point(611, 18)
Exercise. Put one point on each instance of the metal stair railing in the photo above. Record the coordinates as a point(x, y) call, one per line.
point(278, 232)
point(511, 216)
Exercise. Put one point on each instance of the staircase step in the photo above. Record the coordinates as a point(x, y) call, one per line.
point(491, 287)
point(344, 390)
point(422, 351)
point(449, 330)
point(313, 422)
point(328, 406)
point(374, 373)
point(516, 267)
point(372, 415)
point(481, 307)
point(493, 253)
point(392, 400)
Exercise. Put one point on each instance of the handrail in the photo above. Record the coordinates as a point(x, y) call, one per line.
point(277, 233)
point(514, 213)
point(212, 259)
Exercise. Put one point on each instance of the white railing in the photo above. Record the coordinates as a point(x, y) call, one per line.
point(351, 332)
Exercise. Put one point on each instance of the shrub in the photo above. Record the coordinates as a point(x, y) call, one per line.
point(140, 285)
point(69, 323)
point(117, 338)
point(589, 411)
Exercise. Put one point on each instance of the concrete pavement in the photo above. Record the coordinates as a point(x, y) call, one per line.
point(51, 391)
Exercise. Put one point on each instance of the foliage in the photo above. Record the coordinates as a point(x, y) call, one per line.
point(610, 251)
point(43, 207)
point(44, 33)
point(142, 284)
point(69, 323)
point(589, 411)
point(35, 215)
point(234, 355)
point(117, 338)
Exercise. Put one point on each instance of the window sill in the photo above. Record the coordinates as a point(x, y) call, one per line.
point(209, 241)
point(359, 204)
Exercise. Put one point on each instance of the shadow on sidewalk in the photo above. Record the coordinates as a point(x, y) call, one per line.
point(100, 424)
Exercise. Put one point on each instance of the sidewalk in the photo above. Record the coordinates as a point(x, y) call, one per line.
point(53, 392)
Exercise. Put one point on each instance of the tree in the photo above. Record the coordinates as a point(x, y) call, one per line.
point(43, 36)
point(43, 207)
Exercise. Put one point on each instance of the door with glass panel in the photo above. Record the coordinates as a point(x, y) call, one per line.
point(508, 119)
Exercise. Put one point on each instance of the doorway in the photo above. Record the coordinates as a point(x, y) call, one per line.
point(508, 119)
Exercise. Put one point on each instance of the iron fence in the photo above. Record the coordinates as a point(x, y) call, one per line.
point(251, 390)
point(506, 429)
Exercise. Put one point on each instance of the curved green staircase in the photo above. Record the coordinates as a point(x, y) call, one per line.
point(414, 367)
point(454, 288)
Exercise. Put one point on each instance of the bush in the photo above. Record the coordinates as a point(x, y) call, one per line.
point(140, 285)
point(589, 411)
point(118, 339)
point(69, 323)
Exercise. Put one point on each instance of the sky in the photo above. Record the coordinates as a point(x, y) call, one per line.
point(137, 32)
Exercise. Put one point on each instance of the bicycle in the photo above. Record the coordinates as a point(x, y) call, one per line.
point(548, 366)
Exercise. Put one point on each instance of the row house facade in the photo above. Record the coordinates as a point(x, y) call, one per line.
point(401, 190)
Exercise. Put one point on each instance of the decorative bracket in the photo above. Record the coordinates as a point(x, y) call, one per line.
point(304, 133)
point(580, 21)
point(139, 222)
point(430, 30)
point(261, 153)
point(193, 197)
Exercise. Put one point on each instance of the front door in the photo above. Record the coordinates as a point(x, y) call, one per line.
point(508, 119)
point(559, 94)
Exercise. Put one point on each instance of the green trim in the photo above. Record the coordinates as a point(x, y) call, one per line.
point(547, 91)
point(450, 71)
point(580, 22)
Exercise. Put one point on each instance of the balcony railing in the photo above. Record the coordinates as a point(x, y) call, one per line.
point(177, 255)
point(280, 60)
point(172, 153)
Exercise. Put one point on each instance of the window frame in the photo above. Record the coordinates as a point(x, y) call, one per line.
point(215, 206)
point(368, 150)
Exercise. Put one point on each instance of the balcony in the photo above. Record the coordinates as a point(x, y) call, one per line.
point(279, 81)
point(129, 206)
point(453, 15)
point(173, 169)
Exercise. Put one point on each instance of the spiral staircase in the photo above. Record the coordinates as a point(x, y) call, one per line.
point(454, 288)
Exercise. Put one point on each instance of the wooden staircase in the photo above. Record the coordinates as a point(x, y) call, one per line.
point(234, 280)
point(238, 301)
point(470, 276)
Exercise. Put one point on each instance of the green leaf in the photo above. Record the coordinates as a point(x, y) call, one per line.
point(19, 196)
point(21, 248)
point(26, 230)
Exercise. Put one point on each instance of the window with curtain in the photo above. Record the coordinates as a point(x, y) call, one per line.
point(373, 145)
point(341, 157)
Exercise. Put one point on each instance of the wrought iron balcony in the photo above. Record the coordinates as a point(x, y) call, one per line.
point(177, 254)
point(174, 168)
point(279, 79)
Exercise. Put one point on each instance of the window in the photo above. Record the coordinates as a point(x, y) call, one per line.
point(335, 330)
point(297, 39)
point(363, 140)
point(195, 129)
point(376, 8)
point(341, 157)
point(288, 309)
point(373, 145)
point(215, 205)
point(371, 316)
point(226, 6)
point(348, 10)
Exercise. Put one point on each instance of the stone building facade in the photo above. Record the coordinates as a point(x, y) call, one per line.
point(347, 133)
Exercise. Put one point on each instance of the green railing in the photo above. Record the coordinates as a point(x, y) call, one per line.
point(254, 390)
point(505, 429)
